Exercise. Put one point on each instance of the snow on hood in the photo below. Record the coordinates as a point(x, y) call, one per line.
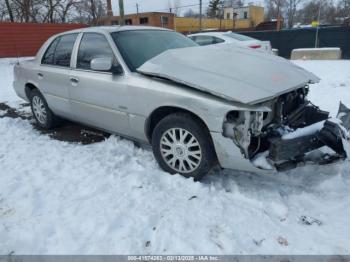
point(233, 73)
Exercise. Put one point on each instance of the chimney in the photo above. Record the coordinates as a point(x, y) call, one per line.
point(109, 8)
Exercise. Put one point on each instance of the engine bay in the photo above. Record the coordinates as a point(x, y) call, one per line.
point(293, 133)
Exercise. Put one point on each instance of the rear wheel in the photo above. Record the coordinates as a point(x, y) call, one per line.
point(43, 115)
point(182, 145)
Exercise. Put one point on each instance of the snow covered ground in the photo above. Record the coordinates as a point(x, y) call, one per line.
point(111, 197)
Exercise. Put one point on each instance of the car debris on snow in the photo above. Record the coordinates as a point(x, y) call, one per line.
point(306, 220)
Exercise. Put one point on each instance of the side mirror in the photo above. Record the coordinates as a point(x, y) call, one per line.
point(101, 64)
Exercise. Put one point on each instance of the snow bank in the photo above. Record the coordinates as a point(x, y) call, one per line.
point(334, 86)
point(111, 197)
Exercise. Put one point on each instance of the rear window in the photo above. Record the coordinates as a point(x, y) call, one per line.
point(60, 51)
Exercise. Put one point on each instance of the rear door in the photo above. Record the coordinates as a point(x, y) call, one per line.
point(53, 74)
point(98, 98)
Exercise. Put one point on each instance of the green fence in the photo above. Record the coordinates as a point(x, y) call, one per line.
point(287, 40)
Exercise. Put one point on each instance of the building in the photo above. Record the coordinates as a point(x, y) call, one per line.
point(246, 18)
point(159, 19)
point(252, 13)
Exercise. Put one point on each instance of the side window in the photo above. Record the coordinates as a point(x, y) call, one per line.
point(92, 46)
point(64, 50)
point(50, 53)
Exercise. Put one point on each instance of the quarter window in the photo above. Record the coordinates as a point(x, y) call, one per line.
point(218, 40)
point(60, 51)
point(48, 58)
point(64, 50)
point(204, 40)
point(92, 46)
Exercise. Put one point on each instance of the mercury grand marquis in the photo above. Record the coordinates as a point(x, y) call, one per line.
point(197, 106)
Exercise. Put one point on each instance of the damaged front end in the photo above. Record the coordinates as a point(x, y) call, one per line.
point(294, 133)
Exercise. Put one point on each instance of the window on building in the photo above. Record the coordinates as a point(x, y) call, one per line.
point(128, 22)
point(92, 46)
point(60, 51)
point(245, 15)
point(164, 21)
point(115, 22)
point(143, 20)
point(228, 16)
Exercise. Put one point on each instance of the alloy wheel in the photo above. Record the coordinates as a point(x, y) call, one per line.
point(39, 109)
point(181, 150)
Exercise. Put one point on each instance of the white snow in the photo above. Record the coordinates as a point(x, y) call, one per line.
point(111, 198)
point(260, 161)
point(305, 131)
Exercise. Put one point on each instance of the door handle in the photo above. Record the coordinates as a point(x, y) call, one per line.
point(74, 80)
point(40, 76)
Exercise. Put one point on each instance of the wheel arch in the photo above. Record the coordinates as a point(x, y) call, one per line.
point(29, 87)
point(161, 112)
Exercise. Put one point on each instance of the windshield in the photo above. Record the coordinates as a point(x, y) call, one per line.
point(239, 37)
point(139, 46)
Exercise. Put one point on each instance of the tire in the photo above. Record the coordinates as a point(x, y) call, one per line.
point(182, 145)
point(42, 114)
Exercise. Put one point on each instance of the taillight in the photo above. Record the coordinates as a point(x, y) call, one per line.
point(255, 46)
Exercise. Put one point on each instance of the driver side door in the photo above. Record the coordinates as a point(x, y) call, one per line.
point(98, 97)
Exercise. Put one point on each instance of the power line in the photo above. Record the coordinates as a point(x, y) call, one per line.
point(180, 7)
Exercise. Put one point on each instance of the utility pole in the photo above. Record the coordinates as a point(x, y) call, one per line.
point(200, 15)
point(278, 15)
point(121, 12)
point(137, 8)
point(318, 24)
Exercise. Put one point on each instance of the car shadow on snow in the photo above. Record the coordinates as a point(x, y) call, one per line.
point(298, 180)
point(68, 131)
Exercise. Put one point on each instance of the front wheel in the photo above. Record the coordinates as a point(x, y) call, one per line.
point(181, 144)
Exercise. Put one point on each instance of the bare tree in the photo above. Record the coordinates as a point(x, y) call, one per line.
point(292, 7)
point(275, 10)
point(90, 11)
point(343, 9)
point(53, 11)
point(174, 6)
point(9, 10)
point(191, 13)
point(309, 12)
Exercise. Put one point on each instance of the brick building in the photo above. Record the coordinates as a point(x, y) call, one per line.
point(158, 19)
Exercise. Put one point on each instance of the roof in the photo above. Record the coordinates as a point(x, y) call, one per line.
point(219, 34)
point(115, 28)
point(145, 13)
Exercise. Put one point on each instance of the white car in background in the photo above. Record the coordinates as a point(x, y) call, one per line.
point(212, 38)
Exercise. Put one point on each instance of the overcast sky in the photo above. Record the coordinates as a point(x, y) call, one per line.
point(163, 5)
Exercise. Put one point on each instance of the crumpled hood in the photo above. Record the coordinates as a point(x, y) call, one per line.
point(233, 73)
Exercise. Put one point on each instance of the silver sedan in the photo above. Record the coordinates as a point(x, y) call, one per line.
point(197, 106)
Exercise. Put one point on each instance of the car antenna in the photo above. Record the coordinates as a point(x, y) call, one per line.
point(14, 42)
